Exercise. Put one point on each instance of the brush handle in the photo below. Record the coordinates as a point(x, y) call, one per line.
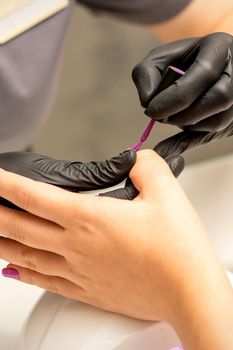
point(150, 126)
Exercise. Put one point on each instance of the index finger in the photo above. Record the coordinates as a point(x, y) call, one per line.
point(43, 200)
point(185, 140)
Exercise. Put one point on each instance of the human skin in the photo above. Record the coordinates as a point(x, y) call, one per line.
point(148, 258)
point(197, 19)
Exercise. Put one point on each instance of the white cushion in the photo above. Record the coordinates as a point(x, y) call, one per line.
point(209, 186)
point(58, 323)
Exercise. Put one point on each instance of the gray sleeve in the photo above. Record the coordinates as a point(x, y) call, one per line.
point(139, 11)
point(29, 66)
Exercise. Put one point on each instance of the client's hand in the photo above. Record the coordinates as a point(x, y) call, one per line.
point(131, 257)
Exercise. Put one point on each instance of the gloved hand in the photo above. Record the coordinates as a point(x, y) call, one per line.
point(77, 176)
point(73, 176)
point(183, 141)
point(202, 99)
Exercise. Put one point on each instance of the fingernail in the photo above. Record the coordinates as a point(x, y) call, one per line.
point(10, 273)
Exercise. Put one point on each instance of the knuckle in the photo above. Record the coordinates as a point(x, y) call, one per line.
point(225, 36)
point(136, 68)
point(216, 125)
point(143, 66)
point(182, 94)
point(30, 278)
point(137, 71)
point(225, 96)
point(29, 260)
point(55, 285)
point(209, 71)
point(71, 243)
point(16, 232)
point(220, 36)
point(25, 197)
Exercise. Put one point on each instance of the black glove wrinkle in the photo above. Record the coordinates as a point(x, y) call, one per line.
point(129, 192)
point(74, 176)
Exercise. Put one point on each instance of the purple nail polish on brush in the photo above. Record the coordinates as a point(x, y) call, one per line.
point(144, 136)
point(10, 273)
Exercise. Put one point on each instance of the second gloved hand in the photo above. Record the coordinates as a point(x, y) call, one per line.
point(73, 176)
point(202, 99)
point(78, 176)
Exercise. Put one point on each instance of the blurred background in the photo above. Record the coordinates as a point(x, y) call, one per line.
point(97, 112)
point(96, 115)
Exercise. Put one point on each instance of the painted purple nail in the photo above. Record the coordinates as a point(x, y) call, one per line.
point(10, 273)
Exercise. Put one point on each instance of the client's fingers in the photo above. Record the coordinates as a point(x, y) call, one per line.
point(129, 192)
point(149, 172)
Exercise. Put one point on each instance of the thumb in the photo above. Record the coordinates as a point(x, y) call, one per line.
point(151, 174)
point(146, 78)
point(129, 192)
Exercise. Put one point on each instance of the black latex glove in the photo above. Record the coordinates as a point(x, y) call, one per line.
point(186, 140)
point(202, 99)
point(77, 176)
point(73, 176)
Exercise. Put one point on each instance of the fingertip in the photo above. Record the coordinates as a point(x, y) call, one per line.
point(150, 113)
point(149, 168)
point(146, 77)
point(176, 164)
point(128, 157)
point(173, 145)
point(158, 110)
point(131, 155)
point(137, 77)
point(125, 159)
point(146, 155)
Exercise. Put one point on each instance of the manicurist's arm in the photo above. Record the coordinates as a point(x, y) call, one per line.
point(202, 312)
point(197, 19)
